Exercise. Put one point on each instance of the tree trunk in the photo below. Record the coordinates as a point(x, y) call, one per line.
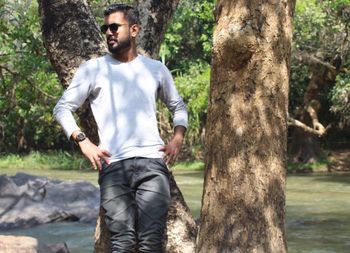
point(305, 145)
point(155, 16)
point(71, 36)
point(243, 205)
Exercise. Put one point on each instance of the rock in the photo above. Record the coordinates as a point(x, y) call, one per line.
point(20, 243)
point(27, 200)
point(11, 244)
point(60, 247)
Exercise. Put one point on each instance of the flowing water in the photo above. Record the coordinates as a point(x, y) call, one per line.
point(318, 215)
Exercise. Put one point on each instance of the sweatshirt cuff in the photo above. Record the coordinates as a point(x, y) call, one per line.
point(181, 120)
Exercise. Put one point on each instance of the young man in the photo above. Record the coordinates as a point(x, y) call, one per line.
point(122, 88)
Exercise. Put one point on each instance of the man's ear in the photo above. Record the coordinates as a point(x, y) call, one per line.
point(134, 30)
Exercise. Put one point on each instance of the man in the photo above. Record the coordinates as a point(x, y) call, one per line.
point(122, 88)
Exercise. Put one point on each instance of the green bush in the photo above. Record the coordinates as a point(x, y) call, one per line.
point(340, 97)
point(193, 88)
point(56, 160)
point(188, 39)
point(29, 86)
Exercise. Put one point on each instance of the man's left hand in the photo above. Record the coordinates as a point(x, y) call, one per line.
point(172, 150)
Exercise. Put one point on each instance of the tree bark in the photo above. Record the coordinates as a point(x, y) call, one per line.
point(155, 16)
point(181, 227)
point(306, 128)
point(243, 205)
point(71, 36)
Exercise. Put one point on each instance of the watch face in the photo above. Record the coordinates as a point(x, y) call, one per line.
point(80, 137)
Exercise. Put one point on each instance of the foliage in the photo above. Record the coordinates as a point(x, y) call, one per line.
point(321, 29)
point(319, 166)
point(64, 161)
point(186, 50)
point(189, 166)
point(54, 160)
point(29, 86)
point(193, 88)
point(189, 37)
point(298, 82)
point(340, 97)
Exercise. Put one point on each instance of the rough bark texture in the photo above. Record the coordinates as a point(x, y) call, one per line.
point(181, 227)
point(155, 16)
point(102, 243)
point(71, 36)
point(305, 146)
point(243, 206)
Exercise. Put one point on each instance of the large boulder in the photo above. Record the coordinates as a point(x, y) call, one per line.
point(27, 200)
point(10, 244)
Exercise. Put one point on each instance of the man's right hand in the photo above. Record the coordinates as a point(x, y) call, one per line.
point(94, 154)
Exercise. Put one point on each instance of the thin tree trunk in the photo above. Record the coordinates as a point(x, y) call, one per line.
point(305, 145)
point(155, 16)
point(243, 205)
point(71, 36)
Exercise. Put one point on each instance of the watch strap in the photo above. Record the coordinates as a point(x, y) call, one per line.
point(79, 137)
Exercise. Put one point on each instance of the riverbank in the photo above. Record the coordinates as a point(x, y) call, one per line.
point(60, 164)
point(65, 166)
point(317, 217)
point(317, 204)
point(336, 161)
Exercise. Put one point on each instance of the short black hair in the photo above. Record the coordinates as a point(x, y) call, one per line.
point(130, 13)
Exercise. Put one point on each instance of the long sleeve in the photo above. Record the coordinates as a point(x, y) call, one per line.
point(171, 98)
point(72, 98)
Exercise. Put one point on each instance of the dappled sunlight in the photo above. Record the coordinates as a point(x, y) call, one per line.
point(120, 100)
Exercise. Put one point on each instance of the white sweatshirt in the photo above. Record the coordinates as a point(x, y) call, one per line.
point(123, 101)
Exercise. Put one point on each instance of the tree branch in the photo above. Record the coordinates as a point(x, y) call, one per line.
point(12, 93)
point(16, 52)
point(319, 131)
point(14, 73)
point(316, 124)
point(311, 60)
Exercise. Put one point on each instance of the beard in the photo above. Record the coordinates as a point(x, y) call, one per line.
point(119, 46)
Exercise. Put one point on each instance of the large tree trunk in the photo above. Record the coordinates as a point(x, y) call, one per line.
point(71, 36)
point(243, 206)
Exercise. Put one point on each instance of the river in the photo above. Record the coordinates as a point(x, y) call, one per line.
point(317, 205)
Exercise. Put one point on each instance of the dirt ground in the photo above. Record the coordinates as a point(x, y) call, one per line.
point(339, 161)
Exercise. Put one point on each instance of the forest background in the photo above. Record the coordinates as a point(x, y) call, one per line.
point(319, 107)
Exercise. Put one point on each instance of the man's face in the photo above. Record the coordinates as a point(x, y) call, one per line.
point(118, 41)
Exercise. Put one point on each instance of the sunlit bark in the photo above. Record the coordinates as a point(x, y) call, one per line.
point(243, 205)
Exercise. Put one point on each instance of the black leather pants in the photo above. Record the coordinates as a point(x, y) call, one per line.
point(135, 194)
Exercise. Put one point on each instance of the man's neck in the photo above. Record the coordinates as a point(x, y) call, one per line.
point(126, 56)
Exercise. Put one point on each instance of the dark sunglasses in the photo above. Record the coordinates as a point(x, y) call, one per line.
point(112, 27)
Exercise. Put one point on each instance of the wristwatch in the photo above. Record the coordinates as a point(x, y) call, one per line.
point(80, 137)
